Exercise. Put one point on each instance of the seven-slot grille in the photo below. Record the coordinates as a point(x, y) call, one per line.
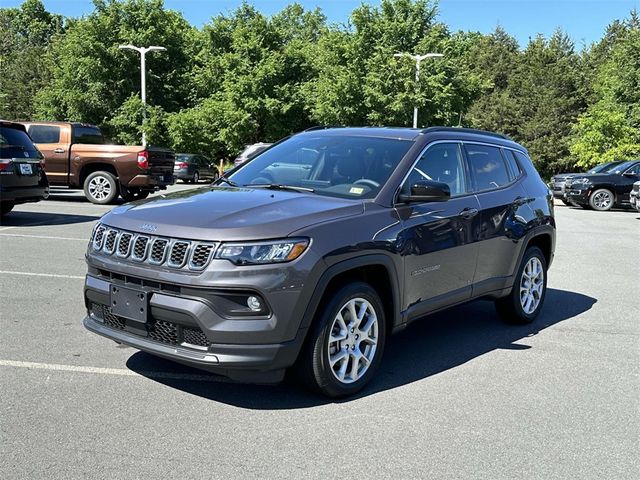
point(140, 248)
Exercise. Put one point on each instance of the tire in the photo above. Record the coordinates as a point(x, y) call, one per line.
point(516, 311)
point(130, 195)
point(6, 207)
point(195, 178)
point(101, 187)
point(351, 372)
point(602, 200)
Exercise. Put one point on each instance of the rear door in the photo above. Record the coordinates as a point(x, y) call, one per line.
point(625, 183)
point(502, 198)
point(48, 140)
point(439, 239)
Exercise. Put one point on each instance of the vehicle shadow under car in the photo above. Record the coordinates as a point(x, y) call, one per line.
point(39, 219)
point(427, 347)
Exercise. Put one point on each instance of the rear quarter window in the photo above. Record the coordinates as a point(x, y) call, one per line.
point(514, 167)
point(88, 134)
point(44, 133)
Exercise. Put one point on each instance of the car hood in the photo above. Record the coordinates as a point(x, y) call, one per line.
point(228, 213)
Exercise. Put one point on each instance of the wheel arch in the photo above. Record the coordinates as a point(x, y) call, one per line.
point(377, 270)
point(90, 168)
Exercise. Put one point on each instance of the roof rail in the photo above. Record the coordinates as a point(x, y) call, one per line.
point(466, 130)
point(322, 127)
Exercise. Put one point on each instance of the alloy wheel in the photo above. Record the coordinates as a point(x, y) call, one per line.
point(602, 199)
point(353, 340)
point(99, 188)
point(531, 285)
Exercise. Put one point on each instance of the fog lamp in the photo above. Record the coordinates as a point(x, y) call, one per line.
point(254, 303)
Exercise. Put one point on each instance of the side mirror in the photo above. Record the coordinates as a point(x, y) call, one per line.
point(427, 191)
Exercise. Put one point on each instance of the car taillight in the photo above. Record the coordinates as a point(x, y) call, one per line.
point(143, 159)
point(182, 165)
point(4, 164)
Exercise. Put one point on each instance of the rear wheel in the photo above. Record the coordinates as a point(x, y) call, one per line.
point(6, 207)
point(195, 178)
point(344, 348)
point(101, 187)
point(524, 302)
point(601, 200)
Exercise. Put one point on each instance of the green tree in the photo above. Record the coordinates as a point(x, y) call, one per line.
point(27, 35)
point(92, 78)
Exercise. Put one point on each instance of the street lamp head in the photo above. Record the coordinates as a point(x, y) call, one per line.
point(155, 48)
point(131, 47)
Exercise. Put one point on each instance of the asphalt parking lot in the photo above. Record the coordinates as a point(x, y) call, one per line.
point(459, 395)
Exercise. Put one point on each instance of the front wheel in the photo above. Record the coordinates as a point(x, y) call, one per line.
point(101, 187)
point(524, 302)
point(601, 200)
point(344, 349)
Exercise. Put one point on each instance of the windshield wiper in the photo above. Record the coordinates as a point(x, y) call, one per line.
point(278, 186)
point(228, 182)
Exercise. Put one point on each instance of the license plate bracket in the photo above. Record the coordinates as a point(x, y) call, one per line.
point(130, 303)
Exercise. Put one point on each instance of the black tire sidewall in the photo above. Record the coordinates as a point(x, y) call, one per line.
point(112, 181)
point(321, 372)
point(6, 207)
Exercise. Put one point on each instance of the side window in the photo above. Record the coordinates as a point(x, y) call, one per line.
point(44, 133)
point(442, 163)
point(514, 168)
point(488, 168)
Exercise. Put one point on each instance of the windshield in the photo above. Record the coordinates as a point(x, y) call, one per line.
point(605, 167)
point(15, 143)
point(338, 166)
point(622, 167)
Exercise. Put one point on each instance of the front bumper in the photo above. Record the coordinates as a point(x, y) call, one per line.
point(558, 189)
point(579, 196)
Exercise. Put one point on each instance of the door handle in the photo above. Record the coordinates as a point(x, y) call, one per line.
point(59, 150)
point(468, 213)
point(520, 201)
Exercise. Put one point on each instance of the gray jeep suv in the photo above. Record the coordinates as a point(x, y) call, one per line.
point(313, 252)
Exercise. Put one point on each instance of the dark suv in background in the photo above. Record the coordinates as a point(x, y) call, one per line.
point(310, 254)
point(22, 177)
point(558, 181)
point(603, 191)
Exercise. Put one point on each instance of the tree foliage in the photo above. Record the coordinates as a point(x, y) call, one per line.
point(246, 77)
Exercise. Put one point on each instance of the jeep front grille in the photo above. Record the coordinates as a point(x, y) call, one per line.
point(172, 253)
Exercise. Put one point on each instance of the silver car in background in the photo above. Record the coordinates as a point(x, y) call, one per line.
point(250, 151)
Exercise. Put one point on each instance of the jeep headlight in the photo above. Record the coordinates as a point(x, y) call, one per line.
point(256, 253)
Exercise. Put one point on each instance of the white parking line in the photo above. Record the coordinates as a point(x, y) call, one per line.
point(113, 371)
point(34, 274)
point(42, 236)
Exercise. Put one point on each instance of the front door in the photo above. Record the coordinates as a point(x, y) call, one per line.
point(439, 239)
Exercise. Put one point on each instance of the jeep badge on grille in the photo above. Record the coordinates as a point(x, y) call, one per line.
point(148, 227)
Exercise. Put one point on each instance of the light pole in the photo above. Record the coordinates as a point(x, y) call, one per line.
point(143, 80)
point(418, 59)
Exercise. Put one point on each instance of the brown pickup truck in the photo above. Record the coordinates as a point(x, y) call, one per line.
point(77, 156)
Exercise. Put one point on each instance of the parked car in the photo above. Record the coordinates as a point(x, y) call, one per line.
point(249, 278)
point(192, 168)
point(557, 184)
point(634, 196)
point(78, 156)
point(250, 151)
point(22, 177)
point(603, 191)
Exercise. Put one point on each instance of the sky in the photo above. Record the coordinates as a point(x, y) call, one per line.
point(584, 20)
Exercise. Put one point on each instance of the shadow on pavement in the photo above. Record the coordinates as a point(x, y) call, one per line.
point(428, 347)
point(38, 219)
